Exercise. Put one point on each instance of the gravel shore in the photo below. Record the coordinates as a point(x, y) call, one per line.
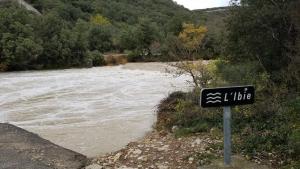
point(159, 150)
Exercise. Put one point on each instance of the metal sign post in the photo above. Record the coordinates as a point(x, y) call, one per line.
point(226, 97)
point(227, 135)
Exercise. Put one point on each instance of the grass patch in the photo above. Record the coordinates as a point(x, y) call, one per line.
point(205, 158)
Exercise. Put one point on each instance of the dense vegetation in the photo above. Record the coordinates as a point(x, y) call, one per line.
point(259, 46)
point(76, 33)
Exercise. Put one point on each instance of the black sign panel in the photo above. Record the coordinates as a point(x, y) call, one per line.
point(227, 96)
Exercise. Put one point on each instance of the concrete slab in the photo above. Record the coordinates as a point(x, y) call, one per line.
point(20, 149)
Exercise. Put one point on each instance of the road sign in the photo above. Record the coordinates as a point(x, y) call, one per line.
point(229, 96)
point(226, 97)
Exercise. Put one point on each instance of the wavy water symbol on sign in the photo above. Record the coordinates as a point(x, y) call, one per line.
point(214, 98)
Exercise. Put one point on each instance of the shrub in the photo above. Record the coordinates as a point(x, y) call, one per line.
point(166, 111)
point(134, 56)
point(182, 110)
point(96, 58)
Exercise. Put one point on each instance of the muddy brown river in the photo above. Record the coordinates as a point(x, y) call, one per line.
point(91, 111)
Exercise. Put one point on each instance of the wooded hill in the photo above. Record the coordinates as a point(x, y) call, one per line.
point(125, 11)
point(76, 33)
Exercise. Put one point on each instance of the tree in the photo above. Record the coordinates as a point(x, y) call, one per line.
point(19, 52)
point(70, 13)
point(19, 47)
point(293, 69)
point(49, 28)
point(99, 20)
point(186, 48)
point(128, 38)
point(146, 35)
point(262, 31)
point(80, 47)
point(100, 38)
point(191, 38)
point(175, 25)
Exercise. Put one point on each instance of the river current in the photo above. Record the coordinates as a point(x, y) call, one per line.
point(91, 111)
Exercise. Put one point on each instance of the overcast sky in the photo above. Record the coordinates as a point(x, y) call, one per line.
point(201, 4)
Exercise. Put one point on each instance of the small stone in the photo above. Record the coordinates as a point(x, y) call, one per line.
point(137, 152)
point(164, 148)
point(94, 166)
point(143, 158)
point(197, 141)
point(162, 167)
point(174, 129)
point(117, 157)
point(191, 160)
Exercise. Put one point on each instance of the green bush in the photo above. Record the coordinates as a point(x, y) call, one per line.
point(183, 110)
point(166, 118)
point(294, 142)
point(134, 56)
point(96, 58)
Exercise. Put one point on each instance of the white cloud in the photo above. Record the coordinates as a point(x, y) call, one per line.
point(201, 4)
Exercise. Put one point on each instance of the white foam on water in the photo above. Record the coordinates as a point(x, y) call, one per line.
point(92, 111)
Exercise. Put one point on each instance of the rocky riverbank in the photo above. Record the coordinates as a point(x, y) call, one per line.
point(159, 150)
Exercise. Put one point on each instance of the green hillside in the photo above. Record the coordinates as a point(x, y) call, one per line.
point(124, 11)
point(213, 18)
point(76, 33)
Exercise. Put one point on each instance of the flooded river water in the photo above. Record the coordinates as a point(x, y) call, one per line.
point(91, 111)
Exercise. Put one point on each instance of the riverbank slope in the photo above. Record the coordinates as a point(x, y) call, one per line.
point(161, 150)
